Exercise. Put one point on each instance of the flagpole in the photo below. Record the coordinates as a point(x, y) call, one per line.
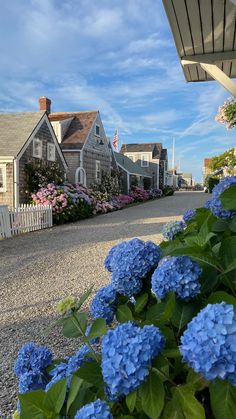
point(173, 155)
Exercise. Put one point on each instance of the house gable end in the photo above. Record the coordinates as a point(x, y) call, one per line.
point(43, 120)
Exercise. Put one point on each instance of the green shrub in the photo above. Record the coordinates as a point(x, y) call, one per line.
point(168, 191)
point(212, 182)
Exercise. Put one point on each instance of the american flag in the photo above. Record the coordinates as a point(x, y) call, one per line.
point(115, 141)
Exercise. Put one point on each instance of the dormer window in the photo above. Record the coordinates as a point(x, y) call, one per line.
point(37, 148)
point(97, 130)
point(144, 160)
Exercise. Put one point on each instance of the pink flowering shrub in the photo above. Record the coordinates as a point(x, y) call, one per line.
point(102, 207)
point(68, 203)
point(139, 194)
point(155, 193)
point(227, 113)
point(125, 199)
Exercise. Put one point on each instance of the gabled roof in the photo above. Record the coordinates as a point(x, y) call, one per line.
point(78, 129)
point(129, 166)
point(154, 148)
point(15, 129)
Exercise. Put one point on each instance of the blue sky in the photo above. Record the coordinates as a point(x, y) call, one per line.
point(117, 56)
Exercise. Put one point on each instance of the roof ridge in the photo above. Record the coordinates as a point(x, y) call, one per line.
point(74, 112)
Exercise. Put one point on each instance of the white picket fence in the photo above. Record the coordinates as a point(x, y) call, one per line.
point(24, 219)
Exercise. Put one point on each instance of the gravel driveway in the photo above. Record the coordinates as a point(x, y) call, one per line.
point(39, 268)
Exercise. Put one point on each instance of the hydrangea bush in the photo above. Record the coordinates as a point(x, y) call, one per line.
point(74, 202)
point(160, 338)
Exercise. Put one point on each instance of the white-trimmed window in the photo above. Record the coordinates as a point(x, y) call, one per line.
point(130, 156)
point(144, 160)
point(51, 152)
point(3, 177)
point(98, 170)
point(97, 130)
point(37, 148)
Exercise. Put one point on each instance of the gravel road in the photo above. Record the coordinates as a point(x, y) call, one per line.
point(39, 268)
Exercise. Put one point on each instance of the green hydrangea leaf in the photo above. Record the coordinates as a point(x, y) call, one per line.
point(190, 406)
point(31, 405)
point(219, 296)
point(91, 372)
point(141, 303)
point(152, 396)
point(223, 399)
point(75, 385)
point(124, 314)
point(55, 396)
point(172, 411)
point(84, 297)
point(131, 400)
point(98, 329)
point(183, 313)
point(228, 198)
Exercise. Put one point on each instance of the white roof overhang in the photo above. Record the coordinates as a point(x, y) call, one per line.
point(204, 34)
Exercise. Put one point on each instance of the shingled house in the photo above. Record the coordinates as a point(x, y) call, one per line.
point(131, 173)
point(24, 137)
point(152, 157)
point(83, 142)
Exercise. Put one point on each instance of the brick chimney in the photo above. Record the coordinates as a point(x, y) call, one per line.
point(45, 104)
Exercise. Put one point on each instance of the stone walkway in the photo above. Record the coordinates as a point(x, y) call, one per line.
point(38, 269)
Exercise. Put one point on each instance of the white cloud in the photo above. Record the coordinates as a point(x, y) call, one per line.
point(153, 41)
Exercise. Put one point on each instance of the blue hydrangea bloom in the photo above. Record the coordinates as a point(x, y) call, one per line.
point(78, 359)
point(207, 204)
point(32, 357)
point(130, 263)
point(153, 254)
point(57, 373)
point(172, 228)
point(94, 410)
point(104, 303)
point(30, 381)
point(109, 258)
point(209, 343)
point(189, 215)
point(127, 352)
point(72, 364)
point(179, 274)
point(215, 204)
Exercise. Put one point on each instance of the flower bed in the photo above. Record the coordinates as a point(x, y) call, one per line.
point(75, 202)
point(171, 352)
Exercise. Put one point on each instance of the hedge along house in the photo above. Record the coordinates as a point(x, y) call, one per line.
point(84, 145)
point(152, 158)
point(204, 35)
point(131, 173)
point(24, 137)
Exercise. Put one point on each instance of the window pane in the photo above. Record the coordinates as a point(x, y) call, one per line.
point(51, 152)
point(37, 148)
point(1, 177)
point(97, 130)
